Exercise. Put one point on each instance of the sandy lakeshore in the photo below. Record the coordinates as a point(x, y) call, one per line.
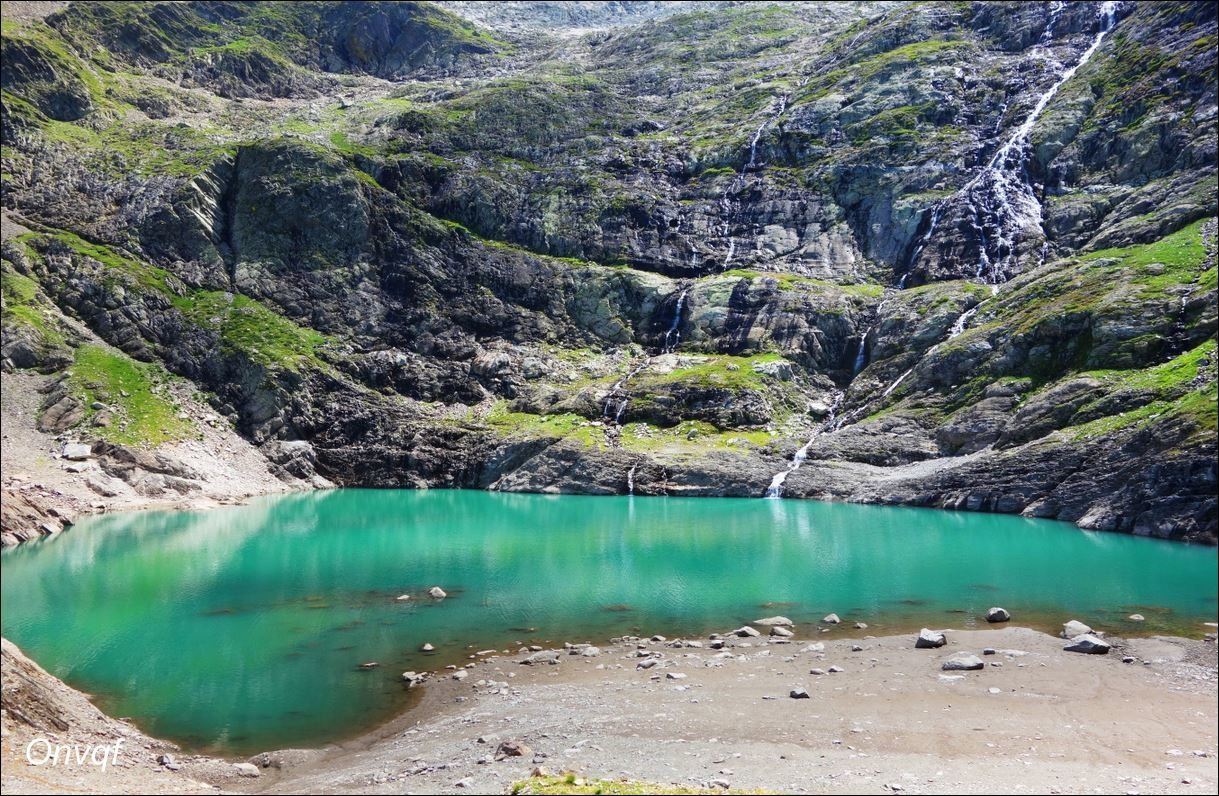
point(1037, 719)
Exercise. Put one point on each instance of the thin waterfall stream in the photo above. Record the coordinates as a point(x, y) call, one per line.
point(1000, 198)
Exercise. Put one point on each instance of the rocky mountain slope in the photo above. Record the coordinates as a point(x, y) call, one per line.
point(948, 254)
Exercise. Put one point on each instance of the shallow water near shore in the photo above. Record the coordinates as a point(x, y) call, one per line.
point(241, 629)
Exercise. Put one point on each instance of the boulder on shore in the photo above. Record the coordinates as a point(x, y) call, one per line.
point(1089, 645)
point(963, 662)
point(746, 632)
point(930, 639)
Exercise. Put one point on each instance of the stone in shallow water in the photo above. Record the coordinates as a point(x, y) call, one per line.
point(998, 614)
point(437, 593)
point(774, 621)
point(1075, 628)
point(1088, 644)
point(930, 639)
point(831, 619)
point(1137, 618)
point(781, 631)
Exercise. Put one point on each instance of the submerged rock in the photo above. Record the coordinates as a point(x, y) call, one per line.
point(437, 593)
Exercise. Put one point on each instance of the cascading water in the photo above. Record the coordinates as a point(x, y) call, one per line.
point(673, 335)
point(619, 394)
point(958, 326)
point(728, 207)
point(861, 356)
point(775, 490)
point(630, 479)
point(1004, 209)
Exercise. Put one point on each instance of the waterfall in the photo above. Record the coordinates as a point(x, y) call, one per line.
point(861, 356)
point(775, 490)
point(728, 207)
point(618, 392)
point(673, 335)
point(630, 479)
point(1002, 203)
point(958, 326)
point(893, 386)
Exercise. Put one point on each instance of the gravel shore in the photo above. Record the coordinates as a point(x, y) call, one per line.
point(885, 717)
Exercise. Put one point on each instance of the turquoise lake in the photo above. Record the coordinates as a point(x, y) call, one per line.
point(240, 629)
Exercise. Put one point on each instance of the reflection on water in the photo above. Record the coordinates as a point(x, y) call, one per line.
point(241, 629)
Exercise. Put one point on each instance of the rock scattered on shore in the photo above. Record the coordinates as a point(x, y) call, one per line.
point(963, 662)
point(930, 639)
point(798, 693)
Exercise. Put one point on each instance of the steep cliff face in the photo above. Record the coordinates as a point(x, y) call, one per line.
point(959, 255)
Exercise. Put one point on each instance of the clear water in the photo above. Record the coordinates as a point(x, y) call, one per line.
point(240, 629)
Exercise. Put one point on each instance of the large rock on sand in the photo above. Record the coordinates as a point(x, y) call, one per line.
point(1088, 644)
point(930, 639)
point(963, 662)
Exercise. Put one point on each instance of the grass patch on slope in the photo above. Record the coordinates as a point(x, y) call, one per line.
point(143, 415)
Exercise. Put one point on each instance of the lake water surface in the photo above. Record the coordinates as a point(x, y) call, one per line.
point(240, 629)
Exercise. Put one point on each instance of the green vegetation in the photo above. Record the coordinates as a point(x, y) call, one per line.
point(790, 281)
point(144, 275)
point(21, 305)
point(718, 371)
point(137, 392)
point(245, 325)
point(570, 783)
point(1160, 266)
